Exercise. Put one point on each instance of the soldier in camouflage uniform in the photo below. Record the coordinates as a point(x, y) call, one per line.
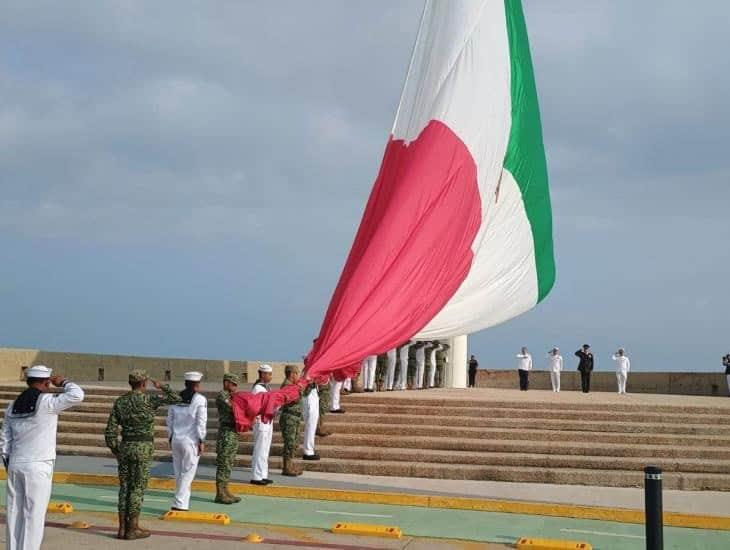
point(290, 423)
point(135, 413)
point(324, 406)
point(226, 446)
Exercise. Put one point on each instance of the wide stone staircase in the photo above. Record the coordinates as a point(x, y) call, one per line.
point(425, 435)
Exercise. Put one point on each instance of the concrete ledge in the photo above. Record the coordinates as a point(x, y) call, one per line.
point(671, 519)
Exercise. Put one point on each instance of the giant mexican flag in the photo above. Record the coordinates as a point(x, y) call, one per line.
point(457, 233)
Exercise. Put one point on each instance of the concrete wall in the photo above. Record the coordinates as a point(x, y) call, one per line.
point(86, 366)
point(682, 383)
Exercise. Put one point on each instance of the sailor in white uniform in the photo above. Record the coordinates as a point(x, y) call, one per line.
point(28, 447)
point(623, 365)
point(403, 369)
point(369, 365)
point(420, 364)
point(186, 430)
point(335, 392)
point(555, 365)
point(310, 413)
point(262, 432)
point(390, 371)
point(432, 364)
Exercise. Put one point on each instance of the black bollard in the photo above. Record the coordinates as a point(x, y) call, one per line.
point(653, 508)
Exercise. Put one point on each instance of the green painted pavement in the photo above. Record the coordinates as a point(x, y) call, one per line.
point(414, 521)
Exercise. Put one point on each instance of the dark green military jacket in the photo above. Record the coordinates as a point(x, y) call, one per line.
point(226, 421)
point(295, 407)
point(135, 413)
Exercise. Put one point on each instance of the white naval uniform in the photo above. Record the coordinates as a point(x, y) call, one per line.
point(347, 384)
point(555, 364)
point(623, 365)
point(310, 412)
point(432, 366)
point(403, 371)
point(420, 365)
point(390, 372)
point(262, 433)
point(368, 371)
point(186, 429)
point(29, 443)
point(335, 389)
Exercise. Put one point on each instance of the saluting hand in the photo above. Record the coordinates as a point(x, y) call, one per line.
point(157, 384)
point(57, 381)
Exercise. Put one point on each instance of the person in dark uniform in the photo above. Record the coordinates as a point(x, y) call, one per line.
point(585, 366)
point(726, 364)
point(473, 366)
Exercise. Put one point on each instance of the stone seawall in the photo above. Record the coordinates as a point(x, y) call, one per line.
point(680, 383)
point(115, 368)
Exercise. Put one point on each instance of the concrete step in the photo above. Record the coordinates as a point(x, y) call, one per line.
point(325, 449)
point(589, 447)
point(562, 476)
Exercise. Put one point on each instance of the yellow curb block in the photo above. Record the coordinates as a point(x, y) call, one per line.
point(367, 529)
point(253, 537)
point(60, 508)
point(550, 544)
point(196, 517)
point(621, 515)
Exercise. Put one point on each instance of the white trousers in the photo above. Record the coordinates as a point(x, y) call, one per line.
point(390, 373)
point(368, 372)
point(310, 412)
point(432, 373)
point(555, 379)
point(28, 493)
point(420, 368)
point(261, 446)
point(347, 384)
point(184, 464)
point(402, 371)
point(621, 377)
point(335, 389)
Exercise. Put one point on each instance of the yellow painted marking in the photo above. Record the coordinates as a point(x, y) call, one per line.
point(366, 529)
point(79, 525)
point(60, 508)
point(551, 544)
point(253, 537)
point(197, 517)
point(621, 515)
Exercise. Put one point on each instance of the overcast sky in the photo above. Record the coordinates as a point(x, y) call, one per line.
point(186, 178)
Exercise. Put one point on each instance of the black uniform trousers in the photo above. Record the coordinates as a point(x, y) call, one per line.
point(585, 380)
point(524, 379)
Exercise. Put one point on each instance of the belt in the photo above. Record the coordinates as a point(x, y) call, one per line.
point(144, 438)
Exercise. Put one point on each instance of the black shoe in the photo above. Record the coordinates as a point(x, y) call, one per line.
point(258, 482)
point(268, 481)
point(338, 411)
point(178, 509)
point(310, 457)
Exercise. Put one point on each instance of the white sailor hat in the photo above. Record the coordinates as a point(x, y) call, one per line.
point(38, 371)
point(265, 368)
point(193, 376)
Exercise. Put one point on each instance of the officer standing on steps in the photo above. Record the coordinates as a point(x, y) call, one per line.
point(290, 422)
point(226, 445)
point(135, 413)
point(310, 412)
point(585, 366)
point(262, 432)
point(28, 447)
point(186, 429)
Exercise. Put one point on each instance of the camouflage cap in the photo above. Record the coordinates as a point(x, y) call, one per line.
point(137, 375)
point(230, 377)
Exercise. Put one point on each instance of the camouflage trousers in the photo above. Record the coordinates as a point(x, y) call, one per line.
point(324, 399)
point(226, 447)
point(290, 425)
point(133, 460)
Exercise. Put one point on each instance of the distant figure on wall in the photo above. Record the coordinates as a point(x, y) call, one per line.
point(473, 366)
point(524, 366)
point(585, 366)
point(726, 364)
